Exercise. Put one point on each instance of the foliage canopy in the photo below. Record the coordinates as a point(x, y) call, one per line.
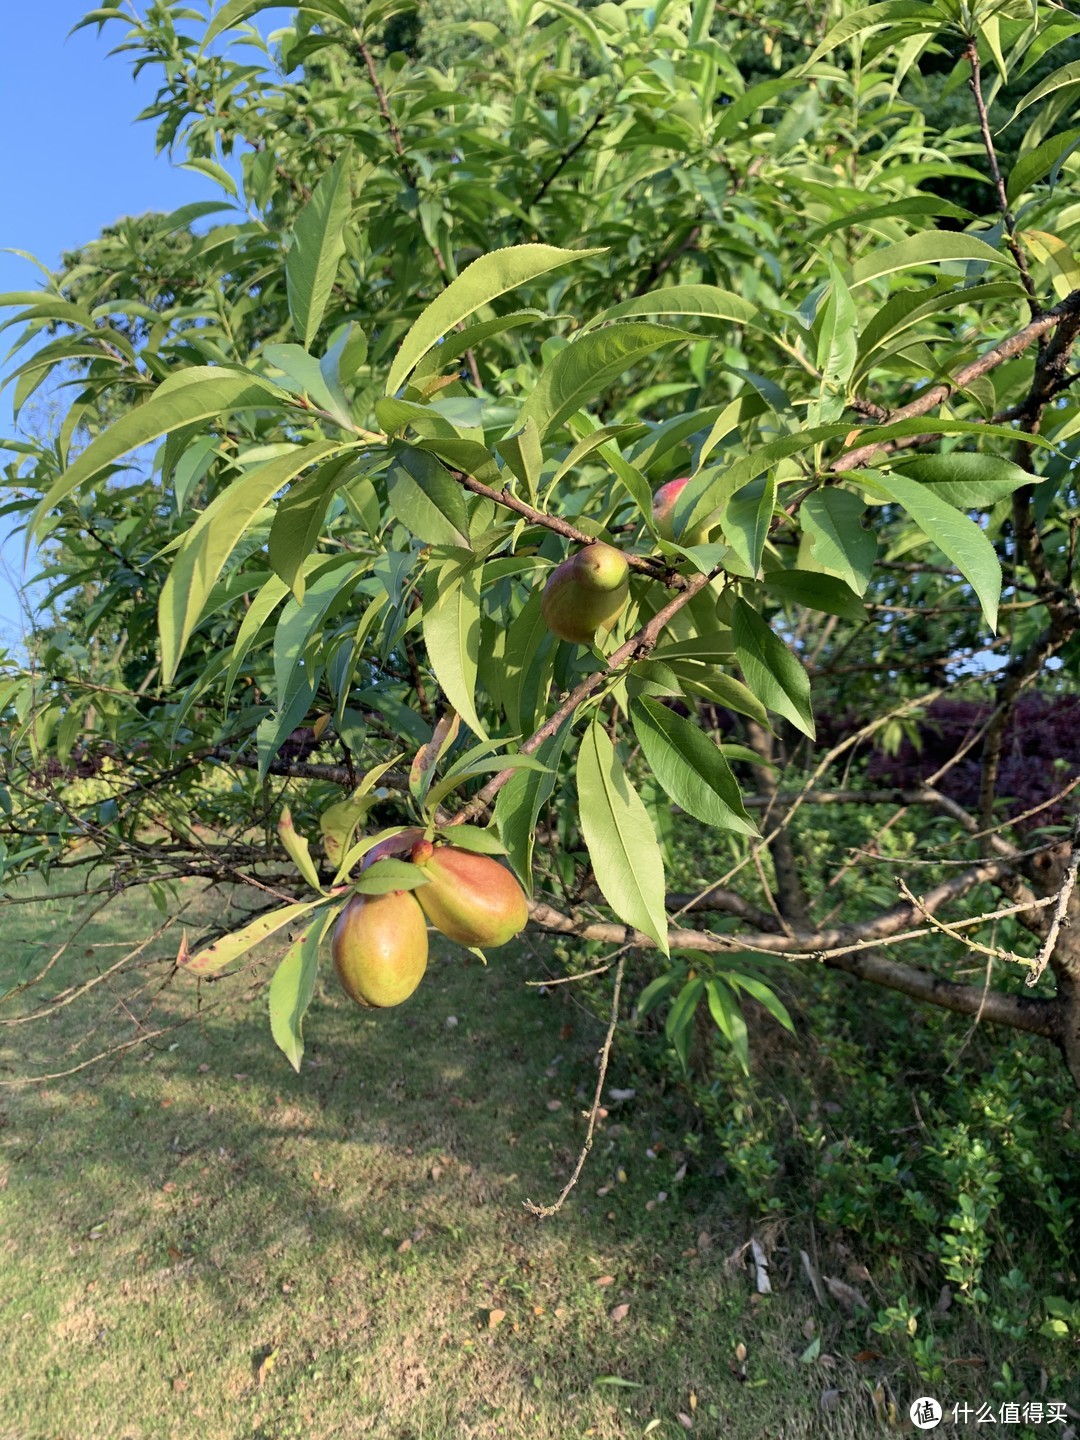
point(472, 292)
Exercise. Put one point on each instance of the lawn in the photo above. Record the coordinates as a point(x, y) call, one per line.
point(195, 1241)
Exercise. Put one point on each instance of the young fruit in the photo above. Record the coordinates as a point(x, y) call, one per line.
point(663, 510)
point(585, 593)
point(471, 898)
point(380, 948)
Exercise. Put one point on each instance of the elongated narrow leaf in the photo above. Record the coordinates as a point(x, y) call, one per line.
point(708, 302)
point(520, 801)
point(298, 849)
point(952, 532)
point(925, 18)
point(1066, 77)
point(330, 585)
point(387, 875)
point(318, 243)
point(452, 636)
point(477, 285)
point(190, 395)
point(584, 370)
point(299, 520)
point(210, 542)
point(293, 985)
point(724, 1009)
point(1034, 164)
point(771, 671)
point(931, 248)
point(622, 844)
point(690, 767)
point(235, 12)
point(230, 947)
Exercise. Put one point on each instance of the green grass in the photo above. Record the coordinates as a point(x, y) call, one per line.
point(195, 1241)
point(198, 1242)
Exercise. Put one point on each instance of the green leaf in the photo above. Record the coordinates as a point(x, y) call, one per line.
point(771, 671)
point(747, 517)
point(584, 369)
point(474, 838)
point(298, 849)
point(330, 587)
point(729, 1021)
point(318, 243)
point(387, 875)
point(966, 480)
point(933, 247)
point(838, 341)
point(815, 591)
point(620, 838)
point(1034, 164)
point(426, 499)
point(210, 542)
point(520, 801)
point(199, 393)
point(230, 947)
point(916, 15)
point(707, 302)
point(293, 986)
point(690, 767)
point(451, 623)
point(216, 172)
point(763, 994)
point(299, 520)
point(1067, 77)
point(953, 533)
point(237, 11)
point(906, 308)
point(832, 522)
point(477, 285)
point(307, 376)
point(678, 1027)
point(456, 779)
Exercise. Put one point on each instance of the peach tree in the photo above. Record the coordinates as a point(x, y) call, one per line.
point(347, 504)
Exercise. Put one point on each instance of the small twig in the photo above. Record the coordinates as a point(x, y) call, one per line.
point(648, 565)
point(544, 1211)
point(1060, 915)
point(564, 160)
point(971, 52)
point(993, 952)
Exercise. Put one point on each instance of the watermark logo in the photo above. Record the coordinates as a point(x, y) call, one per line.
point(925, 1413)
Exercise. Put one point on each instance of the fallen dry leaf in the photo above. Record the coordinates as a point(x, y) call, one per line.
point(406, 1244)
point(740, 1353)
point(685, 1420)
point(830, 1399)
point(495, 1317)
point(846, 1296)
point(266, 1364)
point(620, 1312)
point(605, 1280)
point(554, 1104)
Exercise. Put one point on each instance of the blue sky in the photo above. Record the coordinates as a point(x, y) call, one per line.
point(72, 160)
